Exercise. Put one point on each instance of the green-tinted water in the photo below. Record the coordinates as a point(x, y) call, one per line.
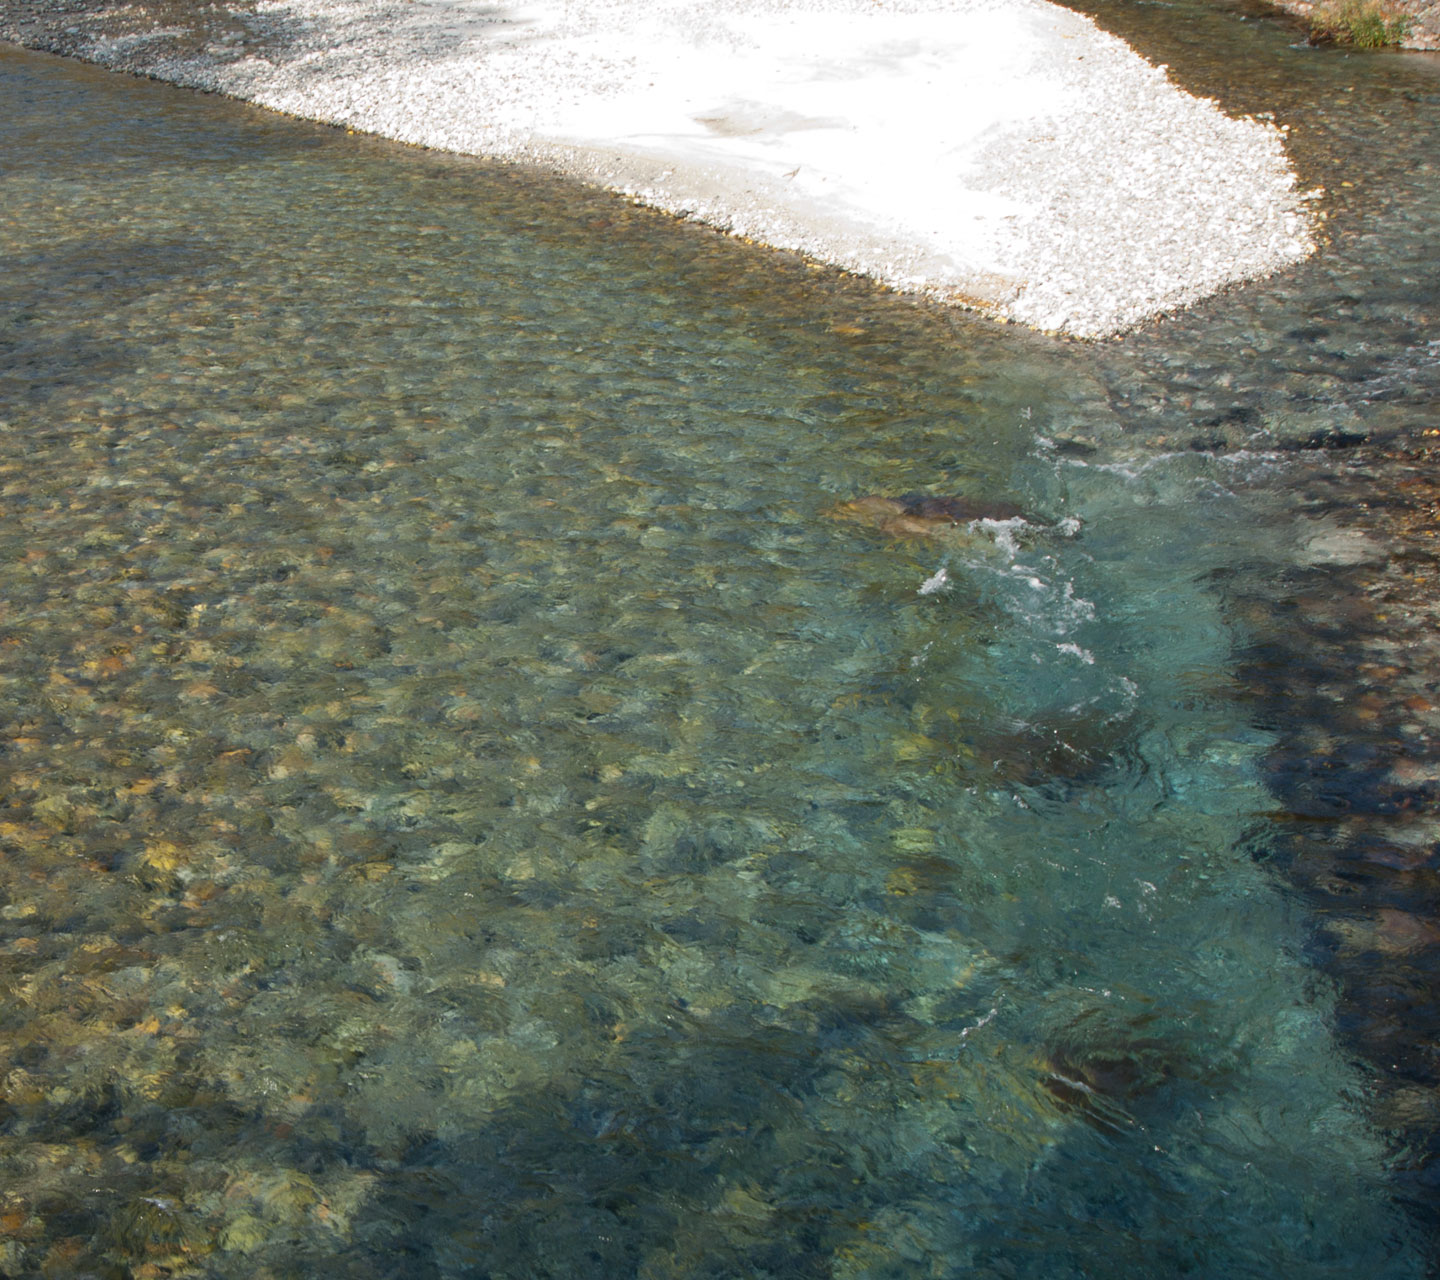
point(477, 807)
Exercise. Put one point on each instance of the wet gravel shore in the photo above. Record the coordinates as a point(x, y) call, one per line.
point(1123, 199)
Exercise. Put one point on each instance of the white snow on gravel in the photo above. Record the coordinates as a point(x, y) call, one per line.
point(1005, 154)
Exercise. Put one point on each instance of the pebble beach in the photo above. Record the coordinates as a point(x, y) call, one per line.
point(1008, 156)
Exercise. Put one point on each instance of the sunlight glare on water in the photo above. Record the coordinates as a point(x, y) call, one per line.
point(487, 795)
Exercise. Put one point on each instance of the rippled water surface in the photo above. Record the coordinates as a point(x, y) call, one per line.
point(498, 784)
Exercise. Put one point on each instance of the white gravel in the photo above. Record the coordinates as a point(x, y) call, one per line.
point(1002, 154)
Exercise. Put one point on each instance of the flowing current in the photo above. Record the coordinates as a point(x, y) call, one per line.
point(519, 762)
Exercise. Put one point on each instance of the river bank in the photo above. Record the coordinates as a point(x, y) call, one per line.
point(1010, 157)
point(1418, 20)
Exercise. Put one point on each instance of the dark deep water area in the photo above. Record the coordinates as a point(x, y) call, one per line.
point(489, 787)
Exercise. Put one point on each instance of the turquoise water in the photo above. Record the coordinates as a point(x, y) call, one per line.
point(479, 802)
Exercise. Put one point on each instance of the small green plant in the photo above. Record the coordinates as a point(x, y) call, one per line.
point(1366, 24)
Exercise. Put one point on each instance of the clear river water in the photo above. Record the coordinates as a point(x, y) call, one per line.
point(495, 783)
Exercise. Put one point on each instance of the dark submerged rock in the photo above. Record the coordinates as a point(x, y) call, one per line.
point(957, 509)
point(923, 515)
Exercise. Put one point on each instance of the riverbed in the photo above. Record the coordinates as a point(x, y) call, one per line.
point(543, 741)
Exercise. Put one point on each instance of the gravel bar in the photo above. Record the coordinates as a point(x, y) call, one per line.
point(1006, 155)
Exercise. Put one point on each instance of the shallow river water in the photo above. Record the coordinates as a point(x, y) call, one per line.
point(487, 795)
